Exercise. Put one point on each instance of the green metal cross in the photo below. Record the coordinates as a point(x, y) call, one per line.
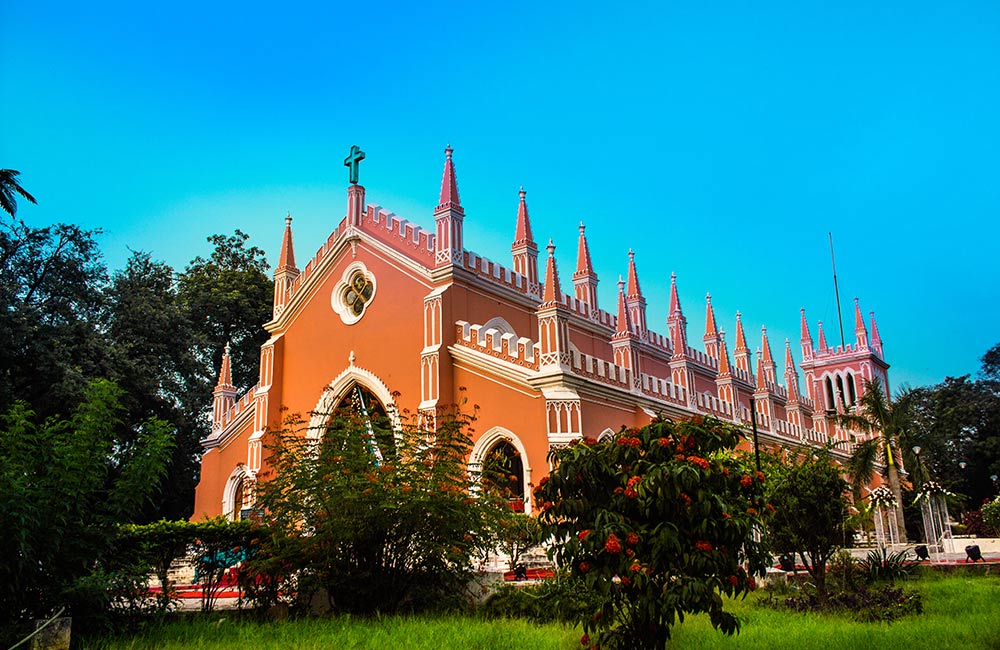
point(356, 156)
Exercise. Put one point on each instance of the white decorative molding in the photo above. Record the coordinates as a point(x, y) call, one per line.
point(338, 297)
point(234, 492)
point(336, 390)
point(483, 446)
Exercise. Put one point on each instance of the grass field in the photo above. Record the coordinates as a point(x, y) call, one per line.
point(959, 612)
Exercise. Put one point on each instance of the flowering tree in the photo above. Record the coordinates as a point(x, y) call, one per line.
point(660, 522)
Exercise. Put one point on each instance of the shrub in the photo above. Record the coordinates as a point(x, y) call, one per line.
point(372, 518)
point(810, 513)
point(991, 515)
point(866, 605)
point(881, 565)
point(562, 599)
point(656, 522)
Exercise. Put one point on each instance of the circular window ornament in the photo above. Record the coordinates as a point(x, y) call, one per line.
point(353, 293)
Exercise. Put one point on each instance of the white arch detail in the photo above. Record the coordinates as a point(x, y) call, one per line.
point(499, 324)
point(607, 434)
point(232, 502)
point(336, 390)
point(486, 443)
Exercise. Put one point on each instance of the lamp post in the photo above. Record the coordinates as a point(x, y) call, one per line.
point(920, 468)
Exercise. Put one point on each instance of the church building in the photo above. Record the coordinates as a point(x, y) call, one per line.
point(386, 307)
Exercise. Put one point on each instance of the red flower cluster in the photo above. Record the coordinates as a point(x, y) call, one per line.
point(698, 461)
point(685, 499)
point(746, 481)
point(752, 512)
point(702, 545)
point(546, 506)
point(734, 581)
point(664, 442)
point(769, 507)
point(635, 568)
point(635, 443)
point(632, 539)
point(584, 566)
point(584, 640)
point(679, 457)
point(697, 419)
point(759, 476)
point(726, 515)
point(613, 546)
point(583, 534)
point(630, 488)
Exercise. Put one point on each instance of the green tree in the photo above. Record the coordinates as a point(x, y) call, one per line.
point(51, 344)
point(377, 532)
point(10, 187)
point(660, 522)
point(227, 299)
point(64, 486)
point(148, 329)
point(958, 422)
point(892, 437)
point(810, 513)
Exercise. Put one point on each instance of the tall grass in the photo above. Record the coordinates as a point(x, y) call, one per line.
point(347, 633)
point(959, 612)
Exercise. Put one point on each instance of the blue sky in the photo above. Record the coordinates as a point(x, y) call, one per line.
point(721, 141)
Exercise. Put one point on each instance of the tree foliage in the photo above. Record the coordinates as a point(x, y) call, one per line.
point(10, 189)
point(660, 522)
point(51, 283)
point(64, 485)
point(810, 512)
point(227, 299)
point(387, 532)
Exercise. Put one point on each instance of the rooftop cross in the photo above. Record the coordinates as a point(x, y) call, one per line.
point(352, 160)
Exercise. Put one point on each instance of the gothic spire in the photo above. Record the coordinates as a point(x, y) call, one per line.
point(791, 377)
point(584, 279)
point(822, 338)
point(623, 324)
point(860, 331)
point(552, 292)
point(583, 264)
point(524, 250)
point(633, 290)
point(805, 335)
point(286, 260)
point(724, 369)
point(711, 331)
point(767, 361)
point(449, 184)
point(522, 234)
point(225, 372)
point(876, 337)
point(675, 302)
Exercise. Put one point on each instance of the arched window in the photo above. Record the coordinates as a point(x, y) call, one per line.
point(360, 407)
point(504, 470)
point(852, 394)
point(831, 402)
point(840, 390)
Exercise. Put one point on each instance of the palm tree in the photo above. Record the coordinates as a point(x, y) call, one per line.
point(9, 188)
point(889, 421)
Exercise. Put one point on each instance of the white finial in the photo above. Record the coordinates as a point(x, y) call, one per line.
point(350, 357)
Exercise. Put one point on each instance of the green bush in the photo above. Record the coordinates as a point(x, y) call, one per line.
point(371, 518)
point(886, 603)
point(881, 566)
point(657, 523)
point(991, 515)
point(562, 599)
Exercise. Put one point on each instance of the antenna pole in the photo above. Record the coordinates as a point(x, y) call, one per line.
point(836, 292)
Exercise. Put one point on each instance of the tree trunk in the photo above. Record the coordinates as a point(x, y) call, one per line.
point(898, 493)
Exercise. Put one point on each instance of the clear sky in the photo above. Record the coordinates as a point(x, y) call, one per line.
point(721, 141)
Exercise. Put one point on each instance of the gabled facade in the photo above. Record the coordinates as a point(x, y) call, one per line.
point(391, 308)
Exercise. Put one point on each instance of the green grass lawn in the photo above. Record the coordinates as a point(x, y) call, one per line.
point(959, 612)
